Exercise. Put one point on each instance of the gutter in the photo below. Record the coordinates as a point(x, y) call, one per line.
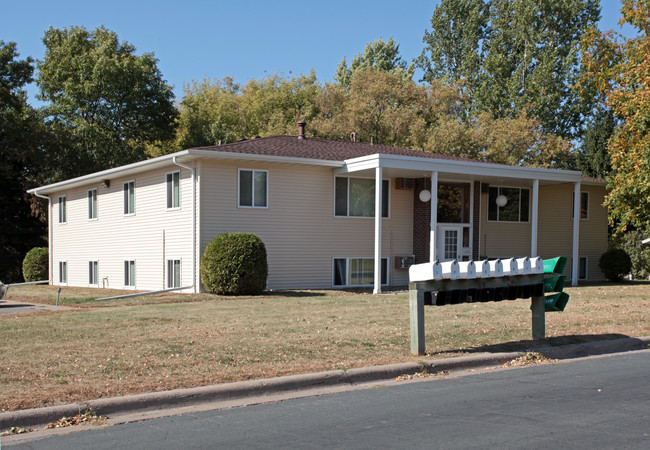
point(193, 218)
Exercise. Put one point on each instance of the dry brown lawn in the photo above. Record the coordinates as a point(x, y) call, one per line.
point(161, 342)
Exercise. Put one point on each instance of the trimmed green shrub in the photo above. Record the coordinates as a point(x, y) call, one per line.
point(639, 253)
point(615, 264)
point(234, 264)
point(35, 264)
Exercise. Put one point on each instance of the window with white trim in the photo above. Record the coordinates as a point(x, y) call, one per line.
point(584, 205)
point(582, 268)
point(173, 273)
point(516, 208)
point(129, 197)
point(173, 190)
point(355, 197)
point(92, 204)
point(358, 271)
point(62, 209)
point(129, 273)
point(63, 272)
point(93, 277)
point(253, 188)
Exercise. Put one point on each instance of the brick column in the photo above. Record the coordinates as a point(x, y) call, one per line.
point(421, 222)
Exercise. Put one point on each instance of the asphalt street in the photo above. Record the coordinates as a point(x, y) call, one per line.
point(601, 402)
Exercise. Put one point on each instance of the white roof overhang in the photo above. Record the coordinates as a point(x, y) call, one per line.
point(414, 167)
point(167, 161)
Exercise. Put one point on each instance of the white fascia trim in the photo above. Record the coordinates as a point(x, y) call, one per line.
point(184, 155)
point(459, 167)
point(129, 169)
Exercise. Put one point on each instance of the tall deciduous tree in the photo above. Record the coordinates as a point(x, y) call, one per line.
point(514, 55)
point(620, 68)
point(383, 56)
point(222, 110)
point(20, 153)
point(106, 104)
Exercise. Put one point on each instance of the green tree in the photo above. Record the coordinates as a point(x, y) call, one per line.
point(380, 55)
point(454, 48)
point(593, 159)
point(21, 131)
point(223, 110)
point(620, 69)
point(106, 104)
point(514, 55)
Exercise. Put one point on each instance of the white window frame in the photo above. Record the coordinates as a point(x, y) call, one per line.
point(239, 193)
point(129, 280)
point(385, 191)
point(583, 194)
point(63, 210)
point(93, 273)
point(173, 179)
point(63, 273)
point(499, 193)
point(93, 210)
point(170, 273)
point(126, 193)
point(347, 271)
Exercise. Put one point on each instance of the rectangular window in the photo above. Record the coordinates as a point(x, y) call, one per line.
point(358, 271)
point(92, 273)
point(584, 205)
point(582, 268)
point(92, 204)
point(513, 206)
point(173, 273)
point(62, 209)
point(129, 197)
point(173, 190)
point(63, 272)
point(129, 273)
point(355, 197)
point(253, 188)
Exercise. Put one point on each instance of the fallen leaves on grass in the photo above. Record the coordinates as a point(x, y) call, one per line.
point(421, 375)
point(88, 418)
point(529, 359)
point(15, 430)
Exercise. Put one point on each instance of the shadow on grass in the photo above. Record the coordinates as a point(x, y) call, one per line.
point(528, 344)
point(294, 294)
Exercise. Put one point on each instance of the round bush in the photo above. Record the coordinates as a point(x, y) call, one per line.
point(615, 264)
point(234, 264)
point(35, 264)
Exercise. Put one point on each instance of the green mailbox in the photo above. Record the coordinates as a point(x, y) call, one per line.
point(558, 300)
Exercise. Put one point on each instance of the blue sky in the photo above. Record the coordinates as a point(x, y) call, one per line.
point(195, 39)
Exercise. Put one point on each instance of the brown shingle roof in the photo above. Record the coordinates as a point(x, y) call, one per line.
point(313, 148)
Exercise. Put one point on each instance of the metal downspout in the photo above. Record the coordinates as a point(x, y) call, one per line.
point(193, 219)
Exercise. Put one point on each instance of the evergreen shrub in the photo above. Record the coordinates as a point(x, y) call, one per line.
point(234, 264)
point(615, 264)
point(36, 264)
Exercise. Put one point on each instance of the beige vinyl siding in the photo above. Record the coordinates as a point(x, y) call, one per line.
point(299, 229)
point(114, 237)
point(593, 232)
point(555, 229)
point(502, 239)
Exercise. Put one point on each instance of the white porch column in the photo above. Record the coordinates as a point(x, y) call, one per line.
point(576, 232)
point(434, 216)
point(378, 202)
point(534, 219)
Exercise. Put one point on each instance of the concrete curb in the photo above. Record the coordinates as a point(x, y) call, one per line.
point(179, 398)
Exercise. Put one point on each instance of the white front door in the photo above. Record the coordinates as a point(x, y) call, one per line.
point(449, 243)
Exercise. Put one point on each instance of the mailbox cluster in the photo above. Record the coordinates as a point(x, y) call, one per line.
point(558, 300)
point(492, 280)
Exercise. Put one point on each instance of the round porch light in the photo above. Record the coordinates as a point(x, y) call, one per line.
point(425, 195)
point(501, 201)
